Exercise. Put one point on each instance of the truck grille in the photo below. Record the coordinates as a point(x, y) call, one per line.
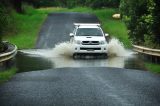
point(90, 49)
point(90, 42)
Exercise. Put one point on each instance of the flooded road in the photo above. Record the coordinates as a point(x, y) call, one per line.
point(31, 60)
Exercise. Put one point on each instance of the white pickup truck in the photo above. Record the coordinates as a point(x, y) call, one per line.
point(88, 39)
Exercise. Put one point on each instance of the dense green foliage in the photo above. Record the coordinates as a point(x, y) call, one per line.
point(142, 18)
point(42, 3)
point(156, 21)
point(6, 21)
point(132, 11)
point(3, 18)
point(74, 3)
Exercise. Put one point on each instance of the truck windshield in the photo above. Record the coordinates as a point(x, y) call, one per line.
point(89, 32)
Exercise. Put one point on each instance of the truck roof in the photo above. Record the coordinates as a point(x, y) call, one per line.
point(87, 25)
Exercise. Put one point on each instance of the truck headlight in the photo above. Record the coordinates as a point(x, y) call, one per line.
point(102, 42)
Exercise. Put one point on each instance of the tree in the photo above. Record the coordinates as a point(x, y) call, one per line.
point(142, 18)
point(133, 12)
point(4, 20)
point(156, 19)
point(102, 3)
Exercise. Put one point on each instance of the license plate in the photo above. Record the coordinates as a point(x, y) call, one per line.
point(90, 49)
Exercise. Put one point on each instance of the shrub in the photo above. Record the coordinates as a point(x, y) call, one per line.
point(132, 12)
point(142, 18)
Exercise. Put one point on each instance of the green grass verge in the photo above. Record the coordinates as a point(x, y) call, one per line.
point(153, 67)
point(27, 26)
point(7, 74)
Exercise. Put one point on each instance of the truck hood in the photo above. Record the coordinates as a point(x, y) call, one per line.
point(91, 38)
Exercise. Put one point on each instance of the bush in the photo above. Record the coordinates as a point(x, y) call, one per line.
point(132, 12)
point(102, 3)
point(74, 3)
point(42, 3)
point(155, 11)
point(143, 20)
point(6, 23)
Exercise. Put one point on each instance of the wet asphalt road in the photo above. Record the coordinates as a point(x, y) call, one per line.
point(78, 86)
point(82, 87)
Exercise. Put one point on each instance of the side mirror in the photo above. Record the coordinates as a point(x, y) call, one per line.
point(107, 37)
point(71, 34)
point(106, 34)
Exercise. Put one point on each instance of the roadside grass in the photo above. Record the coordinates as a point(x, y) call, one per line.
point(153, 67)
point(28, 26)
point(7, 74)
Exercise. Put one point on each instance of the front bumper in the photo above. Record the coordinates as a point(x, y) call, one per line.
point(91, 49)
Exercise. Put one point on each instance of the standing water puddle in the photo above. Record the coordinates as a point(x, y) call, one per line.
point(61, 56)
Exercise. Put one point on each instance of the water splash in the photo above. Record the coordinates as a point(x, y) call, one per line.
point(116, 48)
point(66, 49)
point(37, 52)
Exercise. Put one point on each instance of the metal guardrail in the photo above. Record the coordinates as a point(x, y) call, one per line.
point(8, 55)
point(148, 51)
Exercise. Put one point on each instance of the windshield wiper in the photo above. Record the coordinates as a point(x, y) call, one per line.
point(85, 35)
point(97, 35)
